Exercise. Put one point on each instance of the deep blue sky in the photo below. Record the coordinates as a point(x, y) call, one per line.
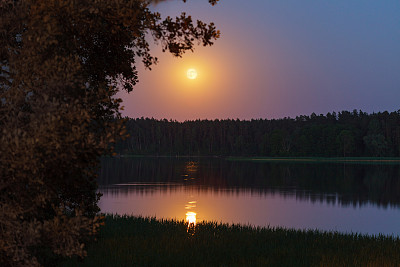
point(279, 58)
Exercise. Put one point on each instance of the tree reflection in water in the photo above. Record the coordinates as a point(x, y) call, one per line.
point(338, 184)
point(354, 197)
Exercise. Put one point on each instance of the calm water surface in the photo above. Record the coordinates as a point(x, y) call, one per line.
point(341, 197)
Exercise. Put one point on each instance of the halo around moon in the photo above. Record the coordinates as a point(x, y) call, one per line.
point(191, 74)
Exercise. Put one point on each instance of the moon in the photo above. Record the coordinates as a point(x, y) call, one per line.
point(191, 74)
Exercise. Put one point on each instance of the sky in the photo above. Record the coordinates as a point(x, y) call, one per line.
point(275, 59)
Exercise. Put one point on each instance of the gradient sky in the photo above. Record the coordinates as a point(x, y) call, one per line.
point(277, 58)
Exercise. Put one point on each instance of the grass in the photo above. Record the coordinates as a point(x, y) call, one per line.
point(136, 241)
point(349, 160)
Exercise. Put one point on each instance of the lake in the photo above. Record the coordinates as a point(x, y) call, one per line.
point(358, 198)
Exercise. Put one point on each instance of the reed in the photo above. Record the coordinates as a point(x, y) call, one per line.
point(138, 241)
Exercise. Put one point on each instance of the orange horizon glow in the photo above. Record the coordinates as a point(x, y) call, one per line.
point(268, 65)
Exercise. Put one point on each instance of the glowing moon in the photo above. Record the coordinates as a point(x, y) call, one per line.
point(191, 74)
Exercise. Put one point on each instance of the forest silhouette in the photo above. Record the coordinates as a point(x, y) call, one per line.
point(343, 134)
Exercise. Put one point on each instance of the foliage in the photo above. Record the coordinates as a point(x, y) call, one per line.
point(131, 241)
point(331, 135)
point(61, 64)
point(346, 141)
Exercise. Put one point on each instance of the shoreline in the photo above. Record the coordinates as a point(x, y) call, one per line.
point(319, 159)
point(384, 160)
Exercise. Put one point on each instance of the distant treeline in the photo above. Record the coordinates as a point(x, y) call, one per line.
point(345, 133)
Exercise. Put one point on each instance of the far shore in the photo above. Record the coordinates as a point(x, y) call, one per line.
point(383, 160)
point(320, 159)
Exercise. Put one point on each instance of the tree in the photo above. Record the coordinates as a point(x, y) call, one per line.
point(375, 142)
point(61, 64)
point(346, 141)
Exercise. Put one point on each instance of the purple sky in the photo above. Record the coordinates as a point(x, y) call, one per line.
point(278, 58)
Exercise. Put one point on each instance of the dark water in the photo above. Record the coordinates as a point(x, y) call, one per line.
point(341, 197)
